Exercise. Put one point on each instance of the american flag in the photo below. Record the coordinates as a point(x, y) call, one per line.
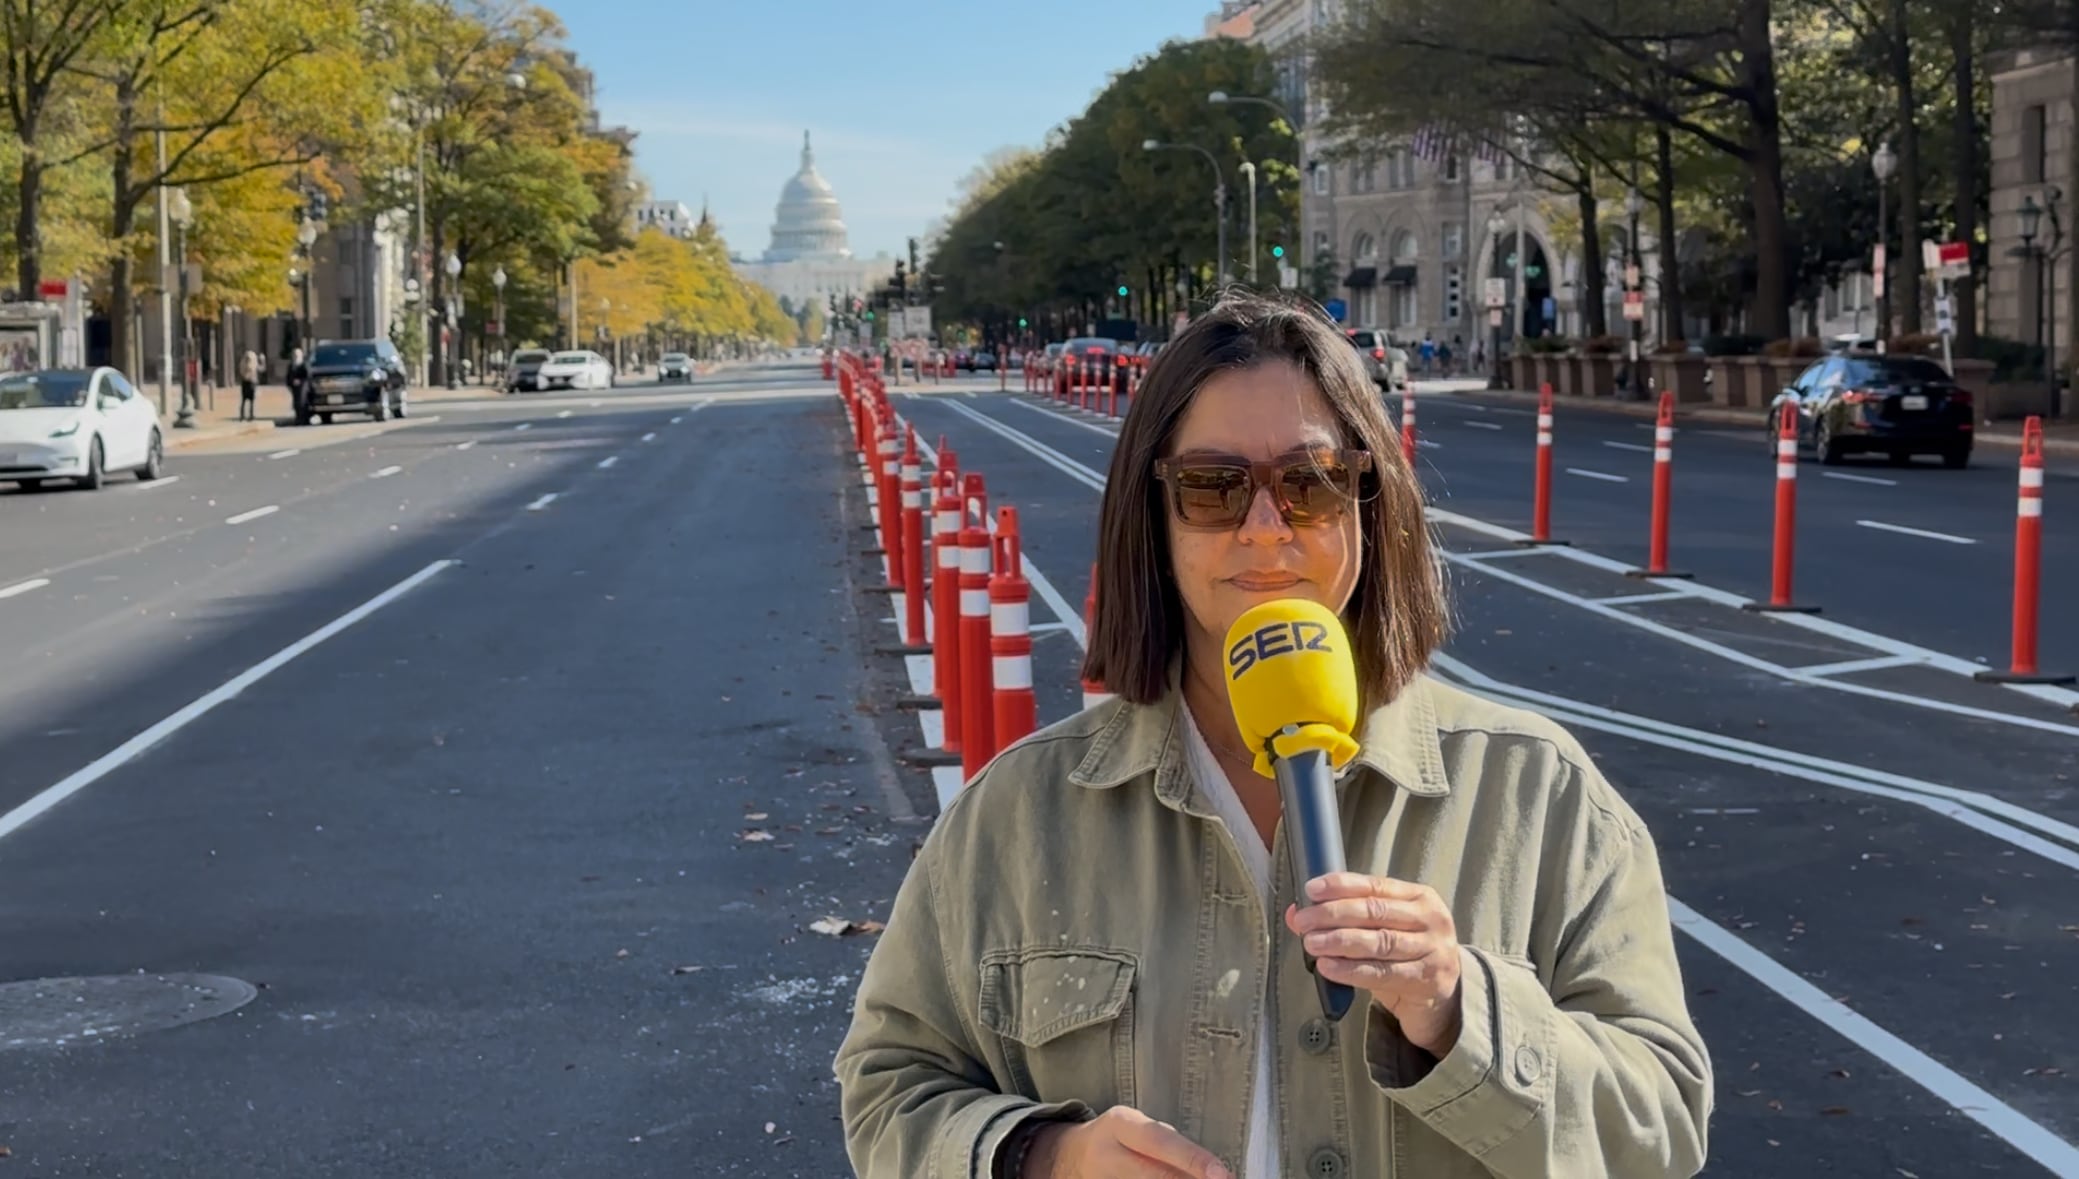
point(1435, 142)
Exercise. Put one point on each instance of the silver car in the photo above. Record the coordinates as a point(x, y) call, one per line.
point(1384, 361)
point(675, 366)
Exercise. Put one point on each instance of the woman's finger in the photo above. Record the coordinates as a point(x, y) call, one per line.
point(1370, 945)
point(1373, 912)
point(1415, 977)
point(1160, 1142)
point(1337, 885)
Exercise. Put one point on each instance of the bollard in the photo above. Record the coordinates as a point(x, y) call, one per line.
point(890, 492)
point(1407, 424)
point(1010, 637)
point(912, 543)
point(1785, 548)
point(1111, 386)
point(1094, 692)
point(1663, 493)
point(977, 720)
point(1003, 372)
point(945, 597)
point(1541, 503)
point(2028, 566)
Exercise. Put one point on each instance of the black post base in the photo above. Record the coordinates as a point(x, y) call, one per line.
point(1648, 574)
point(1765, 608)
point(2008, 677)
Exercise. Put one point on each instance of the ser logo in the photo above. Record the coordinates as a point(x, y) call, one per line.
point(1273, 640)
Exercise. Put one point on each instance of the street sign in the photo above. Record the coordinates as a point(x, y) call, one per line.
point(53, 288)
point(1946, 259)
point(1497, 293)
point(1635, 306)
point(1337, 310)
point(1494, 317)
point(1288, 277)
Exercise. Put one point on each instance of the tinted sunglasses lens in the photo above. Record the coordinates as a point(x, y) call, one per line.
point(1212, 494)
point(1315, 491)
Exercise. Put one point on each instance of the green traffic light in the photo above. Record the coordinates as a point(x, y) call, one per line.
point(1021, 321)
point(869, 317)
point(1123, 292)
point(1277, 251)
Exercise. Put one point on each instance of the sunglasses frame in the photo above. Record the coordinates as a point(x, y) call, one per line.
point(1263, 474)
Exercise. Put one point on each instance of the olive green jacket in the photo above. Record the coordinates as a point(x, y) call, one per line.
point(1080, 930)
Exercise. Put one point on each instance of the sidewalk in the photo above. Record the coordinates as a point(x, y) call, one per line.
point(2058, 437)
point(274, 409)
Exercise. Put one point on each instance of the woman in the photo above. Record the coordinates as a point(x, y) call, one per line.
point(248, 385)
point(1096, 968)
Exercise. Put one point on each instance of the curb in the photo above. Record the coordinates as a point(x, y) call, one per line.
point(184, 439)
point(1717, 415)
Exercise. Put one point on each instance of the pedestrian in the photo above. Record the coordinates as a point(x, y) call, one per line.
point(1094, 966)
point(1429, 354)
point(248, 385)
point(299, 383)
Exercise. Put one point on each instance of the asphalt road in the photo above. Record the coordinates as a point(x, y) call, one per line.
point(1915, 862)
point(451, 756)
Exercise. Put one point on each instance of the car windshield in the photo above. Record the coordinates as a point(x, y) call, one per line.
point(344, 354)
point(570, 358)
point(1891, 370)
point(532, 357)
point(1092, 344)
point(674, 358)
point(44, 390)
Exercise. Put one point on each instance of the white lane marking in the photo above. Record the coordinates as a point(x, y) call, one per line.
point(1585, 473)
point(1848, 478)
point(609, 461)
point(155, 485)
point(524, 426)
point(650, 437)
point(386, 472)
point(1071, 618)
point(566, 413)
point(1635, 446)
point(255, 514)
point(469, 445)
point(22, 587)
point(188, 714)
point(592, 405)
point(1426, 444)
point(292, 452)
point(1504, 554)
point(1485, 425)
point(2010, 1124)
point(544, 501)
point(675, 421)
point(1923, 533)
point(2061, 697)
point(1641, 599)
point(1851, 666)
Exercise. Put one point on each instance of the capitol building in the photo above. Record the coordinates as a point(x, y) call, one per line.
point(810, 257)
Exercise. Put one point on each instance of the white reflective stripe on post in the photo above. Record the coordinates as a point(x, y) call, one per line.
point(1009, 619)
point(1786, 472)
point(2032, 476)
point(913, 497)
point(1544, 437)
point(974, 603)
point(1663, 454)
point(1013, 672)
point(2031, 507)
point(975, 559)
point(1786, 449)
point(1544, 421)
point(1663, 435)
point(912, 473)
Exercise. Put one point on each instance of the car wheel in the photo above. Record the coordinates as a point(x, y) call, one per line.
point(154, 459)
point(1956, 458)
point(96, 473)
point(1828, 446)
point(29, 484)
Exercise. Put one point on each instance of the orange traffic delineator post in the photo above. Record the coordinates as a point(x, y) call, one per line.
point(2028, 566)
point(1016, 709)
point(1663, 493)
point(913, 546)
point(1094, 693)
point(1784, 551)
point(945, 598)
point(1541, 502)
point(1408, 445)
point(977, 709)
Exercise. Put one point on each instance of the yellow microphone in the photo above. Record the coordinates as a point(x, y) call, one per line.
point(1293, 687)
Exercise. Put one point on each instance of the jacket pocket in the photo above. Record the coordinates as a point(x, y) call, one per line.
point(1063, 1017)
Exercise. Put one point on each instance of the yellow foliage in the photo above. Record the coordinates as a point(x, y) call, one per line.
point(675, 285)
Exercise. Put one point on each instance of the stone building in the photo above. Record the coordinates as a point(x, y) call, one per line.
point(2028, 296)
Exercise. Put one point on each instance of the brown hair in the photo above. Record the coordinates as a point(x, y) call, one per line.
point(1397, 614)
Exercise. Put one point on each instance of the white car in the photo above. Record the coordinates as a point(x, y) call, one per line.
point(81, 424)
point(675, 366)
point(576, 370)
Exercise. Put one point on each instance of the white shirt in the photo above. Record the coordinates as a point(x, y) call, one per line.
point(1260, 1155)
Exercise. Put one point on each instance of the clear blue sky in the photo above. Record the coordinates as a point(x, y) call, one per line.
point(904, 97)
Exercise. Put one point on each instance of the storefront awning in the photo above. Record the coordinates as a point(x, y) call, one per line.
point(1362, 277)
point(1401, 276)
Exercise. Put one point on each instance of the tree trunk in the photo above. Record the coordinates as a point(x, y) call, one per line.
point(1671, 318)
point(436, 308)
point(1594, 309)
point(123, 352)
point(1963, 44)
point(28, 236)
point(1906, 295)
point(2066, 338)
point(1771, 304)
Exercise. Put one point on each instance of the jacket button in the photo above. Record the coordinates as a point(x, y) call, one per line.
point(1529, 1065)
point(1316, 1036)
point(1325, 1164)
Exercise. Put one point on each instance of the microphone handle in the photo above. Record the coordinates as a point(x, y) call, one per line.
point(1314, 839)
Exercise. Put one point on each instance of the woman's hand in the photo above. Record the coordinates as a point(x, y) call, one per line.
point(1120, 1143)
point(1393, 939)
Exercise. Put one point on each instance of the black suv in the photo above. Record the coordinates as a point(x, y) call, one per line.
point(355, 376)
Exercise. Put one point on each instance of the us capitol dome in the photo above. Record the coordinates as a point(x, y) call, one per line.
point(808, 223)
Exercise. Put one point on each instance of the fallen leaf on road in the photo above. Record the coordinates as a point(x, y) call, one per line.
point(1907, 1174)
point(840, 927)
point(1840, 1073)
point(770, 1127)
point(620, 953)
point(756, 836)
point(1776, 1103)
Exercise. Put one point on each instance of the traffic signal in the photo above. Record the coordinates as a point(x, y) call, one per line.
point(902, 279)
point(1123, 292)
point(1021, 323)
point(1277, 251)
point(869, 315)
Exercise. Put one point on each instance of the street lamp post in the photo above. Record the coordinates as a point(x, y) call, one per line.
point(498, 285)
point(182, 212)
point(454, 269)
point(2046, 286)
point(1496, 226)
point(1219, 200)
point(1299, 146)
point(1248, 169)
point(1883, 164)
point(306, 237)
point(1635, 283)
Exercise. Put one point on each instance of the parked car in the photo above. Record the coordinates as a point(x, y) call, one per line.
point(1894, 405)
point(1094, 356)
point(577, 370)
point(983, 361)
point(356, 376)
point(525, 374)
point(80, 424)
point(1384, 361)
point(675, 366)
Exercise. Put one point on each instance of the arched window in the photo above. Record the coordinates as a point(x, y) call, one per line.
point(1365, 249)
point(1404, 299)
point(1364, 252)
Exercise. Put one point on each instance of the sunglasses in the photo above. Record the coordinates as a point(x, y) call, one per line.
point(1216, 491)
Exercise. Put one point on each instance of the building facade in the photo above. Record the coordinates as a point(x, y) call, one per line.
point(673, 217)
point(2029, 283)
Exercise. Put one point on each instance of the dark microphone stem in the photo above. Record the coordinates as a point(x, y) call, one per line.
point(1314, 837)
